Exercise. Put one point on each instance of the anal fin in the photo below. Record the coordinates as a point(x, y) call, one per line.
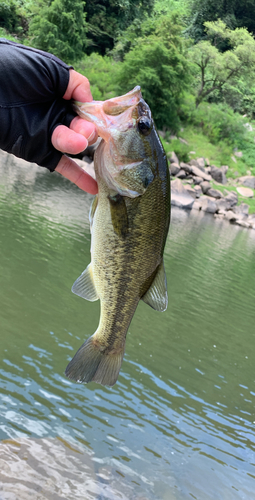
point(84, 285)
point(156, 297)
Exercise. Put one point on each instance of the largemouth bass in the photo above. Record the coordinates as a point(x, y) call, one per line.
point(129, 221)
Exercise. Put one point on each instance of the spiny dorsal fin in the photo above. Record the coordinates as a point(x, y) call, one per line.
point(84, 285)
point(156, 296)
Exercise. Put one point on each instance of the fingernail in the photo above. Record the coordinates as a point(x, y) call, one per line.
point(92, 136)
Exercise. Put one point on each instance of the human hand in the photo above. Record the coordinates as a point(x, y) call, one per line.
point(75, 138)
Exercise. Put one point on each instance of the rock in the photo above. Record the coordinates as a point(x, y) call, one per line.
point(181, 174)
point(197, 180)
point(191, 191)
point(207, 161)
point(205, 186)
point(192, 152)
point(231, 216)
point(215, 193)
point(199, 173)
point(173, 137)
point(239, 154)
point(197, 205)
point(180, 196)
point(223, 205)
point(201, 163)
point(233, 158)
point(242, 223)
point(198, 191)
point(174, 168)
point(247, 181)
point(208, 204)
point(246, 192)
point(183, 141)
point(241, 209)
point(224, 168)
point(232, 198)
point(185, 167)
point(172, 157)
point(208, 170)
point(218, 174)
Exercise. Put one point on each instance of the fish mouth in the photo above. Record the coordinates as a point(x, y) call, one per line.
point(115, 113)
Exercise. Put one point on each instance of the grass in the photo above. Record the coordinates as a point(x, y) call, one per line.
point(217, 154)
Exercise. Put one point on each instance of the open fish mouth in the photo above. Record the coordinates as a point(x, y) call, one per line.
point(116, 113)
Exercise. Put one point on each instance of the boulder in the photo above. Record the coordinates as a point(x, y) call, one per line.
point(196, 171)
point(191, 191)
point(197, 180)
point(241, 209)
point(218, 174)
point(205, 186)
point(231, 216)
point(174, 168)
point(185, 167)
point(215, 193)
point(172, 157)
point(181, 174)
point(232, 198)
point(183, 141)
point(223, 205)
point(239, 154)
point(246, 192)
point(208, 204)
point(180, 197)
point(247, 181)
point(201, 163)
point(198, 190)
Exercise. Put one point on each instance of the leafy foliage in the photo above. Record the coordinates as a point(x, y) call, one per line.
point(157, 63)
point(218, 68)
point(60, 28)
point(108, 18)
point(101, 72)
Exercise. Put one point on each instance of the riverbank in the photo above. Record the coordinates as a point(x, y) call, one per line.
point(196, 185)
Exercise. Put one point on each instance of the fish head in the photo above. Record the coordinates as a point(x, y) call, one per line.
point(125, 124)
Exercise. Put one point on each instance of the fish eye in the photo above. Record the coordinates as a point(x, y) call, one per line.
point(144, 125)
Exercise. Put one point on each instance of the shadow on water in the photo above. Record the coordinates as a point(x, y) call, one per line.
point(179, 423)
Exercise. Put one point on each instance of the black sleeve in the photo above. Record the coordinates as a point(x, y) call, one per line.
point(32, 84)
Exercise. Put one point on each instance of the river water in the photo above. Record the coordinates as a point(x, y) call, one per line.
point(180, 422)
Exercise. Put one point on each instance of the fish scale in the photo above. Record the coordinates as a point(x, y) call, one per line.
point(129, 223)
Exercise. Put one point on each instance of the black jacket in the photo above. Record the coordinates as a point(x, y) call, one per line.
point(32, 84)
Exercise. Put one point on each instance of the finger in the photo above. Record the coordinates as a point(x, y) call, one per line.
point(78, 87)
point(68, 141)
point(69, 169)
point(87, 129)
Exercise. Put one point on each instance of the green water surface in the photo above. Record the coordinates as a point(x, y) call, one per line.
point(180, 422)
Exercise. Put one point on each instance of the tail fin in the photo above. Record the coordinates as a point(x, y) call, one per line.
point(92, 364)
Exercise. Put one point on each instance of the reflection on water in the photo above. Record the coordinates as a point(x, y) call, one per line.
point(180, 422)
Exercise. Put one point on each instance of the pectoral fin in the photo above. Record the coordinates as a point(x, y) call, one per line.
point(156, 296)
point(92, 211)
point(134, 179)
point(84, 285)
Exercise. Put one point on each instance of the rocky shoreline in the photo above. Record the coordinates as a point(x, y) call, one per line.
point(191, 188)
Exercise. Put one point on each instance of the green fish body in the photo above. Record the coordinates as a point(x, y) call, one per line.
point(129, 220)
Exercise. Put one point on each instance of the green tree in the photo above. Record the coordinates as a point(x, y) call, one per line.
point(158, 64)
point(235, 13)
point(60, 28)
point(108, 18)
point(215, 68)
